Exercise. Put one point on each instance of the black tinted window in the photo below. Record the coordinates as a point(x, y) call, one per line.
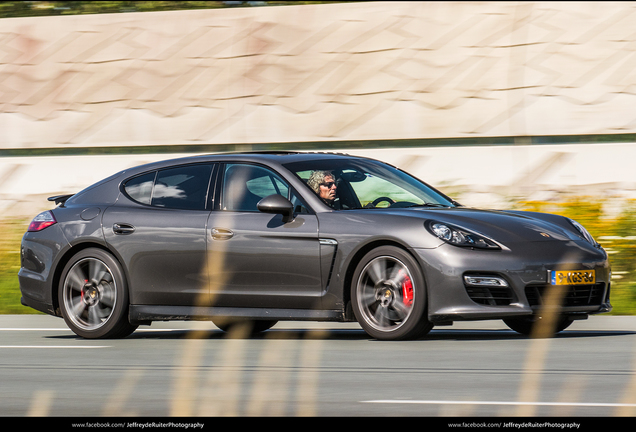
point(182, 187)
point(140, 188)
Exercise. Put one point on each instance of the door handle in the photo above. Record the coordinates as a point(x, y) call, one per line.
point(222, 234)
point(123, 228)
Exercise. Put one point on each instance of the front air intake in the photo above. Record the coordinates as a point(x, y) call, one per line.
point(576, 295)
point(490, 290)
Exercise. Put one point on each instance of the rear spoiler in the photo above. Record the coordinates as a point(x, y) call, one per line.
point(60, 199)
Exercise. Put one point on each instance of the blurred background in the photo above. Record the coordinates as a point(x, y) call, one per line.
point(526, 105)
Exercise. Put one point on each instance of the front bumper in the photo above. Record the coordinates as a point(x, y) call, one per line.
point(525, 267)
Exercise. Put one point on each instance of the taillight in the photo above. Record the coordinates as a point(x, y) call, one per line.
point(41, 221)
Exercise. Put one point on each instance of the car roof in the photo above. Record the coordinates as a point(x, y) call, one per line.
point(273, 157)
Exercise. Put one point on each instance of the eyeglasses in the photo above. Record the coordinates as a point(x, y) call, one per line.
point(328, 185)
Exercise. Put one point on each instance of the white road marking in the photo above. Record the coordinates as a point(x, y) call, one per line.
point(34, 329)
point(66, 329)
point(53, 346)
point(516, 403)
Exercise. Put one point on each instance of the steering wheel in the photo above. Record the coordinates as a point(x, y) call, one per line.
point(380, 199)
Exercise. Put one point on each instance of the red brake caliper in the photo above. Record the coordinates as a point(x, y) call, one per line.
point(407, 291)
point(82, 292)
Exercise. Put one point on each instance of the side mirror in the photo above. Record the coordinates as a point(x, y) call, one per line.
point(277, 204)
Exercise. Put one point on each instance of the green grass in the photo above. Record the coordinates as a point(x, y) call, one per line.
point(12, 231)
point(617, 234)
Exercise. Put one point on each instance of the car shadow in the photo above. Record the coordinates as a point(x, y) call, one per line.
point(306, 334)
point(351, 334)
point(505, 334)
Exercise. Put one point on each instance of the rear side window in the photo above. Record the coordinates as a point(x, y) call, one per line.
point(183, 187)
point(140, 188)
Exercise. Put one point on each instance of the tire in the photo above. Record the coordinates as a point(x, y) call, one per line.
point(526, 325)
point(388, 295)
point(243, 327)
point(93, 296)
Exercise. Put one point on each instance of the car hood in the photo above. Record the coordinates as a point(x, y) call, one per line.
point(501, 226)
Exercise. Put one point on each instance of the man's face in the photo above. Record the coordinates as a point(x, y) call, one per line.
point(328, 189)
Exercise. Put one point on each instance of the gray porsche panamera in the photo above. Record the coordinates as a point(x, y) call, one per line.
point(261, 237)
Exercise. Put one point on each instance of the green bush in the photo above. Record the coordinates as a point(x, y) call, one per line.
point(616, 234)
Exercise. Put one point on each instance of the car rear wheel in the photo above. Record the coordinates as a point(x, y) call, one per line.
point(527, 324)
point(243, 327)
point(389, 295)
point(93, 296)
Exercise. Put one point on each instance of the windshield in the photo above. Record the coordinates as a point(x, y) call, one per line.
point(361, 183)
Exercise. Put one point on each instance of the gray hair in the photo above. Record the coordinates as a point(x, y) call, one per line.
point(318, 177)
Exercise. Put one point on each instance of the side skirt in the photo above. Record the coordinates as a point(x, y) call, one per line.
point(145, 314)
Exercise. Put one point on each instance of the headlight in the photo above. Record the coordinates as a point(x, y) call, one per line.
point(586, 235)
point(459, 236)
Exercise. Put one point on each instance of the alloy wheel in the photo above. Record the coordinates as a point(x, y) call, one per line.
point(90, 293)
point(385, 293)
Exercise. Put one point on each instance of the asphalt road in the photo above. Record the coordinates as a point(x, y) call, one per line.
point(313, 369)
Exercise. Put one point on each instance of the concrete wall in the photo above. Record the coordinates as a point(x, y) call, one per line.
point(372, 70)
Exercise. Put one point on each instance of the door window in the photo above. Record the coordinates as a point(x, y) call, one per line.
point(245, 185)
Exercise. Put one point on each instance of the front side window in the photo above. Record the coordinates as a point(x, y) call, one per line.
point(345, 184)
point(245, 185)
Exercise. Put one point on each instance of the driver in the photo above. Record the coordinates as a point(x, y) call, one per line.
point(324, 184)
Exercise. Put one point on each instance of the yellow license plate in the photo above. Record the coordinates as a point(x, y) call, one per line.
point(572, 277)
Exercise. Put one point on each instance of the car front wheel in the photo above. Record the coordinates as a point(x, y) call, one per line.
point(93, 296)
point(389, 295)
